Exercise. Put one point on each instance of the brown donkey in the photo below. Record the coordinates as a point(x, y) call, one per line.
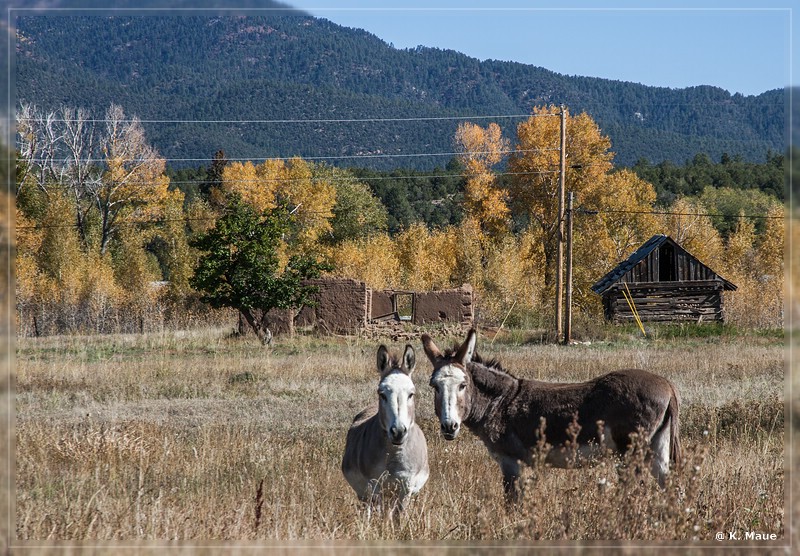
point(505, 411)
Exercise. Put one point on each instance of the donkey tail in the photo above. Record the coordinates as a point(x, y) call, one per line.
point(672, 413)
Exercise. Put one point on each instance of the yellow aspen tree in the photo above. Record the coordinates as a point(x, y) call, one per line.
point(255, 184)
point(770, 257)
point(133, 186)
point(534, 168)
point(686, 222)
point(27, 275)
point(60, 255)
point(469, 253)
point(311, 200)
point(370, 259)
point(426, 259)
point(479, 150)
point(179, 258)
point(740, 253)
point(772, 243)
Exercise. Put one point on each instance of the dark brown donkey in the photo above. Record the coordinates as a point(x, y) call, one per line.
point(505, 411)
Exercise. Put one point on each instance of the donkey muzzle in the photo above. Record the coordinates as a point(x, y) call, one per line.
point(450, 429)
point(398, 433)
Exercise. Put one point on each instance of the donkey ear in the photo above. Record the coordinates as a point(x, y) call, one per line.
point(467, 349)
point(383, 359)
point(430, 349)
point(409, 360)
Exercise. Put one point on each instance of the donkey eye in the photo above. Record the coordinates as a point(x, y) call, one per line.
point(411, 395)
point(382, 395)
point(462, 386)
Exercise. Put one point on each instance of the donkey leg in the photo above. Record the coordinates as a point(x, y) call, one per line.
point(510, 469)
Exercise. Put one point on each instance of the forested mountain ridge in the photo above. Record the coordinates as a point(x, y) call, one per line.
point(179, 70)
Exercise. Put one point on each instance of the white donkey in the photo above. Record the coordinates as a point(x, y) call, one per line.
point(385, 448)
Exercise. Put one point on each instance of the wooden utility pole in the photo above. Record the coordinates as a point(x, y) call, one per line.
point(560, 252)
point(568, 300)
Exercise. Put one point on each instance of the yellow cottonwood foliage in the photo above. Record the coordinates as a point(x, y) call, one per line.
point(513, 276)
point(625, 204)
point(255, 185)
point(26, 268)
point(793, 267)
point(61, 284)
point(755, 265)
point(740, 256)
point(686, 223)
point(623, 221)
point(270, 176)
point(371, 259)
point(144, 187)
point(621, 203)
point(101, 294)
point(60, 256)
point(311, 199)
point(136, 274)
point(772, 244)
point(503, 274)
point(427, 259)
point(479, 150)
point(470, 244)
point(181, 259)
point(134, 185)
point(535, 166)
point(293, 183)
point(200, 216)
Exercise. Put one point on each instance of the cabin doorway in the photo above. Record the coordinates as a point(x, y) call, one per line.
point(666, 263)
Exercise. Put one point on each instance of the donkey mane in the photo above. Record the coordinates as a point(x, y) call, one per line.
point(489, 373)
point(492, 364)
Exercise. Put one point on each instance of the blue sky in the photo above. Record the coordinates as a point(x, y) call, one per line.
point(743, 47)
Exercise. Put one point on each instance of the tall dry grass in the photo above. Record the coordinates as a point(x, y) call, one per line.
point(197, 437)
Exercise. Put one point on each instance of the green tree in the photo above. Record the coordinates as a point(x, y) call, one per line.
point(358, 213)
point(241, 268)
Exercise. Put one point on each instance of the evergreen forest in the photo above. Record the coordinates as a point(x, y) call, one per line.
point(283, 85)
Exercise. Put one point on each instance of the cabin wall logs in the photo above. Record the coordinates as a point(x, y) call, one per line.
point(699, 301)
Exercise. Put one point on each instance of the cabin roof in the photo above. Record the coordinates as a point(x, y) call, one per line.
point(616, 274)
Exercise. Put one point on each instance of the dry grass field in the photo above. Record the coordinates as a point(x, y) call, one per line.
point(200, 437)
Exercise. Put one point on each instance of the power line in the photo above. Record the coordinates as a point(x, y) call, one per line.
point(301, 121)
point(336, 157)
point(670, 213)
point(589, 211)
point(333, 179)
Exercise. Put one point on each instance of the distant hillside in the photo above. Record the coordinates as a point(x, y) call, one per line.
point(297, 67)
